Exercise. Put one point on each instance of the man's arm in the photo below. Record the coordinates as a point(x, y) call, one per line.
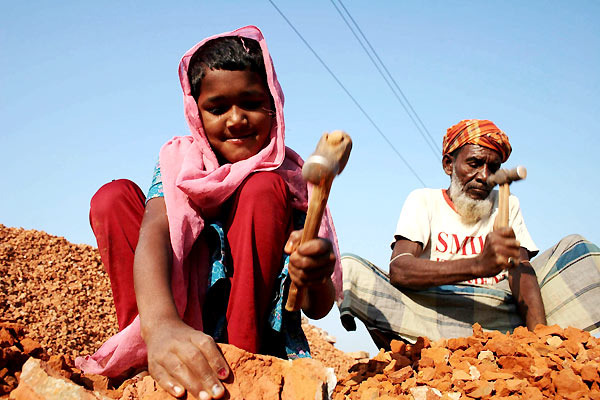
point(409, 271)
point(526, 290)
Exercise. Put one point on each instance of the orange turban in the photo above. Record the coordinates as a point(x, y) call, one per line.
point(477, 131)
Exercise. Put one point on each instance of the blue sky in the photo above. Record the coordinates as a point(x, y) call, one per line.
point(89, 92)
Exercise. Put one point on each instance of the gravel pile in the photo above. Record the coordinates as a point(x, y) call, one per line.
point(60, 292)
point(550, 363)
point(56, 303)
point(57, 289)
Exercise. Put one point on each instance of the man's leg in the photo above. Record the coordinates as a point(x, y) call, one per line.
point(389, 313)
point(116, 212)
point(569, 278)
point(258, 226)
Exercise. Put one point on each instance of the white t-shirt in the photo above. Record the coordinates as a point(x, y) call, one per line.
point(429, 217)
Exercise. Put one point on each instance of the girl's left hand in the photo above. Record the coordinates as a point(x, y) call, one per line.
point(311, 263)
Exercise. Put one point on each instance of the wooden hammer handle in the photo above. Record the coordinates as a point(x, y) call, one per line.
point(502, 217)
point(316, 208)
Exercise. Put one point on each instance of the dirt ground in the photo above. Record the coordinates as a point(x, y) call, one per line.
point(56, 303)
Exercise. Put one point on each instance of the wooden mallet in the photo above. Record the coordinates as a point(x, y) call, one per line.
point(503, 178)
point(328, 161)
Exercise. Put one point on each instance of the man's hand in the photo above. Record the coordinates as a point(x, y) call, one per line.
point(501, 251)
point(181, 358)
point(311, 265)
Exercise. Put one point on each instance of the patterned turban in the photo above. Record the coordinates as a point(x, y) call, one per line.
point(477, 131)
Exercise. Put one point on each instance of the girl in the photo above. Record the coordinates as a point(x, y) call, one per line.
point(211, 263)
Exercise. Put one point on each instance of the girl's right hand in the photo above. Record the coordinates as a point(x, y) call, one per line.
point(181, 358)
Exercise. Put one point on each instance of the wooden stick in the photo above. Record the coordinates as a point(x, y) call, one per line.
point(503, 178)
point(316, 208)
point(502, 217)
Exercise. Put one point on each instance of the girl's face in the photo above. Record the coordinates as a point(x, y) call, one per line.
point(235, 108)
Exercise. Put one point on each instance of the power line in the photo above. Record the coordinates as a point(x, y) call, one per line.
point(347, 92)
point(421, 128)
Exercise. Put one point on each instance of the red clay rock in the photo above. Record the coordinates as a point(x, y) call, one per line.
point(264, 377)
point(398, 346)
point(457, 344)
point(532, 393)
point(524, 335)
point(439, 355)
point(14, 347)
point(501, 346)
point(543, 330)
point(31, 347)
point(568, 385)
point(6, 339)
point(478, 390)
point(478, 331)
point(589, 373)
point(576, 335)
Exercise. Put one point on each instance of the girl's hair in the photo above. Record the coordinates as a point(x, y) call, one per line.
point(231, 53)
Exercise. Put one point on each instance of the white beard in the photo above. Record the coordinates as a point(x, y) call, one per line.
point(470, 210)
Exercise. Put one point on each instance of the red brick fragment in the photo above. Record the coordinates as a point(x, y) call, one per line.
point(577, 335)
point(397, 377)
point(401, 361)
point(502, 346)
point(457, 344)
point(31, 347)
point(398, 346)
point(589, 373)
point(543, 330)
point(439, 355)
point(479, 389)
point(524, 335)
point(477, 331)
point(532, 393)
point(6, 338)
point(567, 384)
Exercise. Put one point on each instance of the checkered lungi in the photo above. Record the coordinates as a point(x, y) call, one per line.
point(568, 274)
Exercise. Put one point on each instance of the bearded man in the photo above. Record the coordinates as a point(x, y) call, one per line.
point(450, 268)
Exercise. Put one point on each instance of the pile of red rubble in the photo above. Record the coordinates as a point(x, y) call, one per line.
point(549, 363)
point(57, 289)
point(61, 294)
point(43, 377)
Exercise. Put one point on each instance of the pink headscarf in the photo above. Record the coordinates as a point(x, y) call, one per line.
point(194, 181)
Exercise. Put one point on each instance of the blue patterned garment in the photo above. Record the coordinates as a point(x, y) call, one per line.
point(281, 321)
point(156, 187)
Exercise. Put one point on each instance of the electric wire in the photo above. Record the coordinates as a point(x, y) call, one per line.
point(348, 93)
point(421, 128)
point(385, 78)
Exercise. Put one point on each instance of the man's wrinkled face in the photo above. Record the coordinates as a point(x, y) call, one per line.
point(472, 165)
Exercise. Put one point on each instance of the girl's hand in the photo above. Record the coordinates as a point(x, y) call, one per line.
point(181, 358)
point(312, 263)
